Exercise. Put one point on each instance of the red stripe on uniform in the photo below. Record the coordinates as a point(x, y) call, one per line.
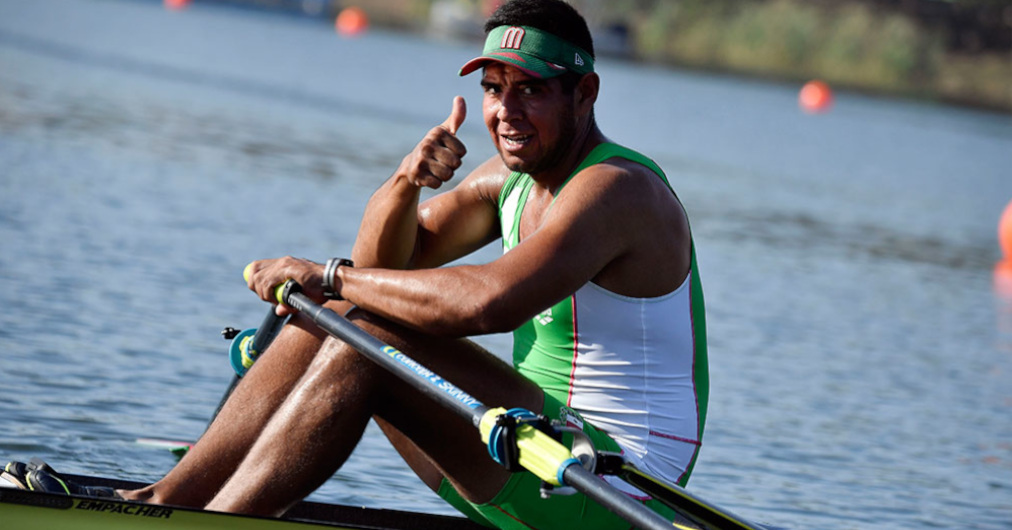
point(511, 516)
point(676, 438)
point(576, 352)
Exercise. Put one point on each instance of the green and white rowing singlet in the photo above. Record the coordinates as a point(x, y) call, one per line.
point(635, 368)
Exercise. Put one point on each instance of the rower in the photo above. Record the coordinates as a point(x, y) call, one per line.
point(597, 281)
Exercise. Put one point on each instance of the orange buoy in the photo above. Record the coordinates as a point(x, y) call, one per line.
point(1005, 232)
point(815, 97)
point(176, 5)
point(351, 21)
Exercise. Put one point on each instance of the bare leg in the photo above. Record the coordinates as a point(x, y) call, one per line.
point(199, 475)
point(322, 419)
point(309, 437)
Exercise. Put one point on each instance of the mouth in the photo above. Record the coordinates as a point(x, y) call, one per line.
point(515, 142)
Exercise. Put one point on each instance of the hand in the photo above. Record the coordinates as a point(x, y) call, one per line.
point(265, 275)
point(434, 160)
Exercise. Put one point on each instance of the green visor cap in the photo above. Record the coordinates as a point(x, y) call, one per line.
point(538, 53)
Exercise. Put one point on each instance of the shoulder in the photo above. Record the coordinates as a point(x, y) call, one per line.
point(625, 199)
point(620, 183)
point(486, 180)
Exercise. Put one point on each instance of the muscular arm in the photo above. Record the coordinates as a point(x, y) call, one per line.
point(591, 232)
point(454, 224)
point(397, 233)
point(389, 233)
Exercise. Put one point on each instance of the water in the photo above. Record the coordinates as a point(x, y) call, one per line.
point(861, 350)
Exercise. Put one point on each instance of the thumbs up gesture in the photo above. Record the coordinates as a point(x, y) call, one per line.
point(434, 160)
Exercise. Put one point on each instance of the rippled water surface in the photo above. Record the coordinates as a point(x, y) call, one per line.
point(861, 344)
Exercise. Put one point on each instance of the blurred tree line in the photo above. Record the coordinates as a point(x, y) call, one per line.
point(952, 50)
point(958, 50)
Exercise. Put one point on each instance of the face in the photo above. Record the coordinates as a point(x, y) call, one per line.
point(532, 121)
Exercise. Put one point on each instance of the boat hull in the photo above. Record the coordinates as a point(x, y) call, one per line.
point(29, 509)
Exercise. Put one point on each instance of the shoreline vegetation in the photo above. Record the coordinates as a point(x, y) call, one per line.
point(879, 47)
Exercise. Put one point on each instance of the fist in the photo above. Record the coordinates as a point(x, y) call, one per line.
point(435, 159)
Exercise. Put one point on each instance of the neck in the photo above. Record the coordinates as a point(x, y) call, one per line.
point(587, 138)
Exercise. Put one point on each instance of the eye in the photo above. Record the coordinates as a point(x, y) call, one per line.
point(532, 89)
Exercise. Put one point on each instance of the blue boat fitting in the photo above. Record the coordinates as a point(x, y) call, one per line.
point(565, 465)
point(502, 441)
point(239, 354)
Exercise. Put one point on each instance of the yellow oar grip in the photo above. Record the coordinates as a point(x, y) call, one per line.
point(488, 421)
point(539, 453)
point(279, 290)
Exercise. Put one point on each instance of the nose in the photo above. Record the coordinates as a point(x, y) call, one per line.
point(510, 107)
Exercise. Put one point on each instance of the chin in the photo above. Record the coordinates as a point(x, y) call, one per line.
point(516, 166)
point(514, 163)
point(531, 167)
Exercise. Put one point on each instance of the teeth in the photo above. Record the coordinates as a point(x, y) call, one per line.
point(516, 140)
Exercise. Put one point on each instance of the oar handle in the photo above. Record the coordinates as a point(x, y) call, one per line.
point(279, 289)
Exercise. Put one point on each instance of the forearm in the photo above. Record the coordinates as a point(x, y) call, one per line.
point(458, 301)
point(388, 235)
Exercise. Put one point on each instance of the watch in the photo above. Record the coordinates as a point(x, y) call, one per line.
point(329, 272)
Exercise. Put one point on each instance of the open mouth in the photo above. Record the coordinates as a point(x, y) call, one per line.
point(515, 141)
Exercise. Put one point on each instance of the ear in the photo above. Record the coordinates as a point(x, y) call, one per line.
point(586, 93)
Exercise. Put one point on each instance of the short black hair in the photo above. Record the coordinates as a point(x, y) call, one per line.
point(554, 16)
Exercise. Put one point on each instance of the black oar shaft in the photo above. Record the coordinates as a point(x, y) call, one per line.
point(597, 489)
point(269, 328)
point(388, 357)
point(695, 508)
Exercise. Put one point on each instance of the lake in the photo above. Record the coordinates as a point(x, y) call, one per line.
point(860, 340)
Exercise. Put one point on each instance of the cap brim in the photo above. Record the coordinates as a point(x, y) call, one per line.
point(531, 66)
point(474, 64)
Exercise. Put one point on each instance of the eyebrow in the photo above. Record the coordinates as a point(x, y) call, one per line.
point(535, 82)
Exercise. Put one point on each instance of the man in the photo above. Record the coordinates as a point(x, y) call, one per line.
point(597, 281)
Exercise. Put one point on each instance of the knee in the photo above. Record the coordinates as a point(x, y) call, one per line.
point(337, 356)
point(339, 373)
point(339, 360)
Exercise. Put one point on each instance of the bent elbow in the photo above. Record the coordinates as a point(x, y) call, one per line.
point(482, 316)
point(491, 320)
point(501, 314)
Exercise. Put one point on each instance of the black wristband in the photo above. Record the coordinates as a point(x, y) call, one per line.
point(329, 271)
